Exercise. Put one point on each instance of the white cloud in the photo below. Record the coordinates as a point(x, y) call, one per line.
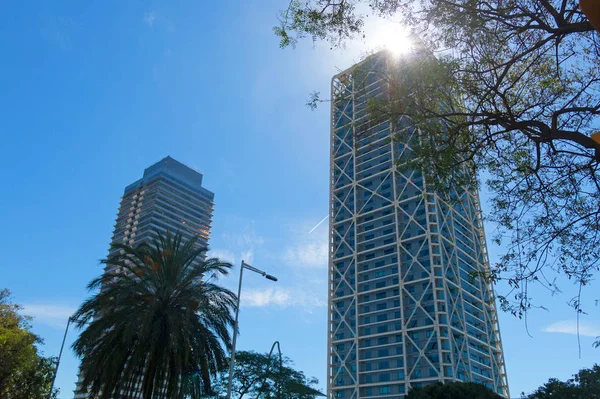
point(313, 299)
point(241, 245)
point(245, 238)
point(300, 249)
point(308, 254)
point(50, 315)
point(310, 248)
point(282, 297)
point(586, 329)
point(266, 297)
point(149, 18)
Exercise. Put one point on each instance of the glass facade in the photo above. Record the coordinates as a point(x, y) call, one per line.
point(405, 308)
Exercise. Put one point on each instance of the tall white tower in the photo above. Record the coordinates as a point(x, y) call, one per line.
point(405, 309)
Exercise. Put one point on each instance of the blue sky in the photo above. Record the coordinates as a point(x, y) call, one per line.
point(94, 92)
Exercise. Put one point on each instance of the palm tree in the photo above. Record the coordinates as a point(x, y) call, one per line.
point(158, 326)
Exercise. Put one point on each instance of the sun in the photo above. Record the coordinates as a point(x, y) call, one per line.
point(392, 37)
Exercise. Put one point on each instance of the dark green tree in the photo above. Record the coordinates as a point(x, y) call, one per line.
point(160, 321)
point(258, 376)
point(453, 390)
point(584, 385)
point(511, 89)
point(24, 373)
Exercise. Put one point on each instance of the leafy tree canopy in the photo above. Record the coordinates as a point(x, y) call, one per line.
point(584, 385)
point(453, 390)
point(509, 89)
point(24, 373)
point(258, 376)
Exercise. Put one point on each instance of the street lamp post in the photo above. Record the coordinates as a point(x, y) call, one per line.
point(59, 356)
point(276, 343)
point(237, 313)
point(291, 385)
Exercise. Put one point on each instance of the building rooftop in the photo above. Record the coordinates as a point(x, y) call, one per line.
point(174, 170)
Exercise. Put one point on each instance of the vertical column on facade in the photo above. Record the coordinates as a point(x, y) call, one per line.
point(422, 332)
point(399, 250)
point(450, 289)
point(342, 351)
point(478, 233)
point(330, 280)
point(355, 387)
point(442, 290)
point(494, 338)
point(461, 283)
point(482, 365)
point(481, 343)
point(436, 277)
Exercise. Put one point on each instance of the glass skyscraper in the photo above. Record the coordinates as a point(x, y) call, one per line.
point(405, 307)
point(169, 197)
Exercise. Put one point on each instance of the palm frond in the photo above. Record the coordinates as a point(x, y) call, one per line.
point(158, 323)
